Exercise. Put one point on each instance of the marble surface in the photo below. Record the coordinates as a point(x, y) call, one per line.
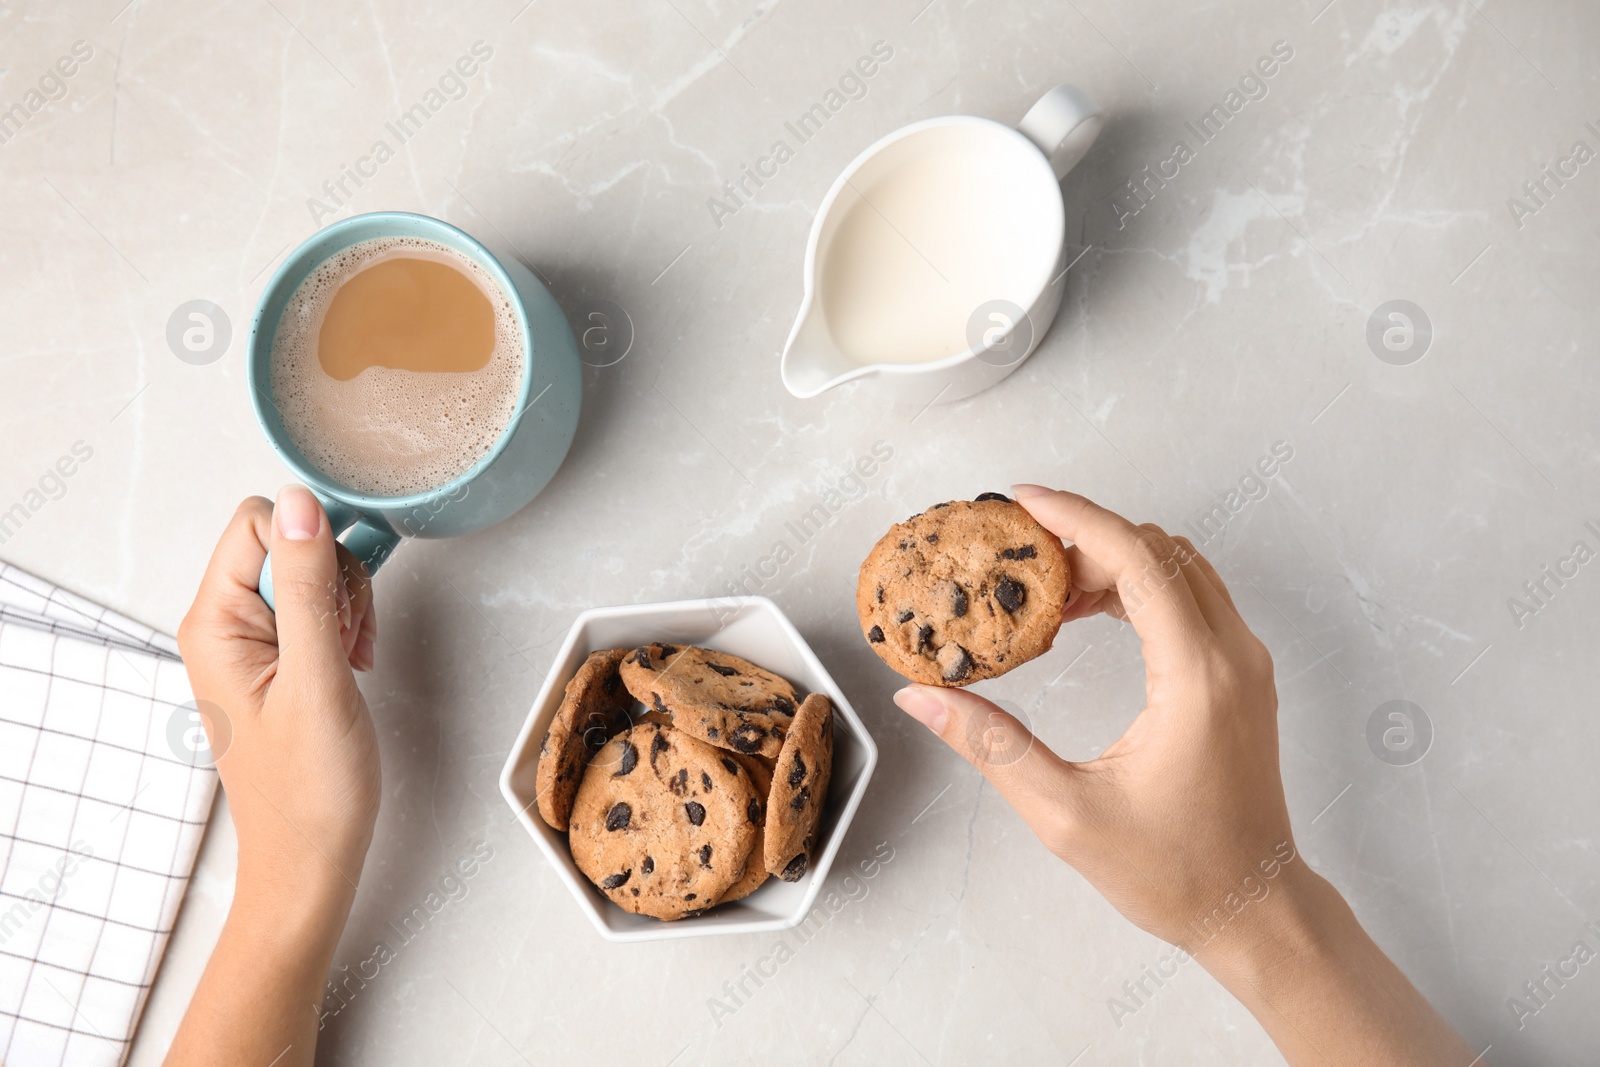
point(1226, 315)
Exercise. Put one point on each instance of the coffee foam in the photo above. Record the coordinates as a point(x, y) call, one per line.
point(389, 432)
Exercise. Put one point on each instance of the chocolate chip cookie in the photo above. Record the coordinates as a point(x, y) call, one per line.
point(714, 696)
point(755, 868)
point(661, 823)
point(594, 707)
point(799, 790)
point(965, 591)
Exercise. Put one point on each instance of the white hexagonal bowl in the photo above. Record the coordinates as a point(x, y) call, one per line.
point(752, 627)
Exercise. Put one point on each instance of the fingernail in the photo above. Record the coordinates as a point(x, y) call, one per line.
point(1027, 489)
point(297, 513)
point(923, 706)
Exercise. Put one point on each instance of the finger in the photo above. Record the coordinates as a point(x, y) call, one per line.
point(364, 655)
point(1208, 570)
point(236, 561)
point(307, 590)
point(1032, 779)
point(1218, 613)
point(358, 588)
point(1139, 564)
point(1084, 604)
point(227, 593)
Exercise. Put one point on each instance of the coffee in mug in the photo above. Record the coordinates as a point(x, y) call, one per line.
point(396, 366)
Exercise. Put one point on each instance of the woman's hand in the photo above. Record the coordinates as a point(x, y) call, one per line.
point(1188, 805)
point(298, 758)
point(1181, 824)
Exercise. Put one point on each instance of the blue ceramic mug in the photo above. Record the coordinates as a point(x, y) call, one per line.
point(522, 461)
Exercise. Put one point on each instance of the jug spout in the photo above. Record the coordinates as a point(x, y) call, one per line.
point(812, 361)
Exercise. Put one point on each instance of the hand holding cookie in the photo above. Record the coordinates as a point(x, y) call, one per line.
point(1181, 823)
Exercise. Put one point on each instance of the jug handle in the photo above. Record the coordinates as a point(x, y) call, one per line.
point(1064, 124)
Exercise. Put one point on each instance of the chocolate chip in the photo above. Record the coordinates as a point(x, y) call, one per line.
point(800, 798)
point(697, 812)
point(641, 656)
point(783, 705)
point(713, 733)
point(958, 601)
point(705, 780)
point(904, 545)
point(726, 672)
point(875, 635)
point(1025, 552)
point(1011, 593)
point(635, 890)
point(880, 594)
point(649, 864)
point(747, 738)
point(905, 616)
point(753, 811)
point(689, 896)
point(798, 773)
point(615, 881)
point(630, 760)
point(658, 745)
point(924, 638)
point(667, 650)
point(618, 817)
point(936, 507)
point(796, 868)
point(733, 768)
point(991, 496)
point(612, 683)
point(961, 666)
point(679, 783)
point(933, 539)
point(660, 705)
point(705, 855)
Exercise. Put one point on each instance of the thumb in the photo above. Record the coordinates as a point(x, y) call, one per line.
point(1032, 779)
point(312, 604)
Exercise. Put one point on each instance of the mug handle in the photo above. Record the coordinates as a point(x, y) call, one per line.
point(371, 542)
point(1064, 124)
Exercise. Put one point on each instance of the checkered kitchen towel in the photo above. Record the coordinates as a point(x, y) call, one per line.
point(102, 806)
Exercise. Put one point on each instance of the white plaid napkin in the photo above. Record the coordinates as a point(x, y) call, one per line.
point(102, 806)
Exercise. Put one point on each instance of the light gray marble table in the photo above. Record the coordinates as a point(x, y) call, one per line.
point(1222, 314)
